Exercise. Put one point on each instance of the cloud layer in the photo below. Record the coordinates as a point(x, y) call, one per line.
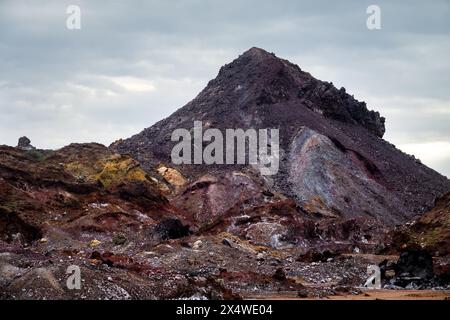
point(135, 62)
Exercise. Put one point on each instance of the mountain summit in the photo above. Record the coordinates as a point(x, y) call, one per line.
point(333, 160)
point(268, 80)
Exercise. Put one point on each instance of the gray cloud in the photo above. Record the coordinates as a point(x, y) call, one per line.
point(135, 62)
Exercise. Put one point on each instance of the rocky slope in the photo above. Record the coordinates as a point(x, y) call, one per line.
point(135, 238)
point(83, 190)
point(334, 161)
point(430, 232)
point(85, 206)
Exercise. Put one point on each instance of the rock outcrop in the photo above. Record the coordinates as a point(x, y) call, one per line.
point(430, 232)
point(334, 181)
point(25, 144)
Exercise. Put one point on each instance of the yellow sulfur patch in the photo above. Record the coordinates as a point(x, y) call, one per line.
point(172, 176)
point(108, 171)
point(119, 168)
point(94, 243)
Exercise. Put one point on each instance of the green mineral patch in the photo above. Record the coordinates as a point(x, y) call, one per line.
point(82, 171)
point(109, 171)
point(118, 169)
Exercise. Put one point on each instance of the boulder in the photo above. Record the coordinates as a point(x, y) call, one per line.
point(25, 144)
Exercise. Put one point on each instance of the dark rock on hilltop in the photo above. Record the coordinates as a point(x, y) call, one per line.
point(334, 162)
point(25, 144)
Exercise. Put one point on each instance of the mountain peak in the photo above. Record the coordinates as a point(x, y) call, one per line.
point(255, 52)
point(251, 63)
point(260, 78)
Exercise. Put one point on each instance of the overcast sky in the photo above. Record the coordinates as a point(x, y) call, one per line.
point(134, 62)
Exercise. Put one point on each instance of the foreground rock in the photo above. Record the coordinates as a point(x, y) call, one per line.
point(413, 270)
point(25, 144)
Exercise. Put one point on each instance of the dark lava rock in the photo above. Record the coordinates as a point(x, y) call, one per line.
point(302, 293)
point(414, 270)
point(316, 256)
point(279, 275)
point(12, 228)
point(171, 229)
point(415, 263)
point(226, 242)
point(119, 239)
point(25, 144)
